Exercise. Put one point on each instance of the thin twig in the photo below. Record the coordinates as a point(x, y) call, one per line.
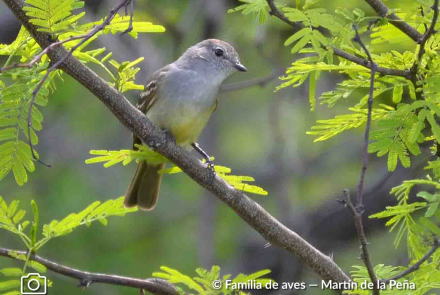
point(245, 84)
point(358, 224)
point(357, 211)
point(422, 13)
point(365, 63)
point(40, 55)
point(130, 25)
point(152, 285)
point(422, 42)
point(297, 26)
point(416, 265)
point(55, 66)
point(360, 199)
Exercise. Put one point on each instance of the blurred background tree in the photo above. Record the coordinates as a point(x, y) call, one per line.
point(254, 131)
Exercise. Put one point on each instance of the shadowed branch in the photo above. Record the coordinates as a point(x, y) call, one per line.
point(153, 285)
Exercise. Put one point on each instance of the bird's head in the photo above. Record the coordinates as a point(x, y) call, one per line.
point(215, 55)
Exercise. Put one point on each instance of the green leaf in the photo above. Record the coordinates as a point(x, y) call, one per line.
point(174, 276)
point(9, 285)
point(434, 126)
point(19, 216)
point(309, 3)
point(40, 268)
point(258, 274)
point(8, 133)
point(95, 211)
point(19, 172)
point(52, 16)
point(312, 91)
point(412, 90)
point(323, 40)
point(397, 93)
point(430, 226)
point(294, 14)
point(12, 272)
point(35, 223)
point(300, 44)
point(298, 35)
point(415, 131)
point(427, 196)
point(12, 208)
point(359, 12)
point(326, 129)
point(432, 209)
point(434, 107)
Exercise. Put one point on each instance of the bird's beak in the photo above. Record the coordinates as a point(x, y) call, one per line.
point(240, 67)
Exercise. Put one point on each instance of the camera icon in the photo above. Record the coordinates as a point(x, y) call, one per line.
point(33, 283)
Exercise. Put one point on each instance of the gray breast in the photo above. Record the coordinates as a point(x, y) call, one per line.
point(185, 103)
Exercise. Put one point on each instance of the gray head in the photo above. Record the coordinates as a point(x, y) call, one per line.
point(214, 55)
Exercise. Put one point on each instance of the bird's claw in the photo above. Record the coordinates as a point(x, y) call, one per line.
point(211, 166)
point(212, 170)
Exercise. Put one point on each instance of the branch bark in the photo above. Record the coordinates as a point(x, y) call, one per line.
point(153, 285)
point(382, 10)
point(252, 213)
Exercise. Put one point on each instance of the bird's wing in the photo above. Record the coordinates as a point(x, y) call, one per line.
point(149, 96)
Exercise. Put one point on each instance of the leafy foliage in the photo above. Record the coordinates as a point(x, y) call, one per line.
point(312, 20)
point(54, 15)
point(401, 216)
point(425, 278)
point(256, 7)
point(17, 85)
point(332, 127)
point(12, 220)
point(401, 124)
point(145, 154)
point(207, 281)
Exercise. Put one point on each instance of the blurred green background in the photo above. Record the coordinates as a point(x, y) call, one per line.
point(255, 131)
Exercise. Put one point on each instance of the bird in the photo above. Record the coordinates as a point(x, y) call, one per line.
point(180, 99)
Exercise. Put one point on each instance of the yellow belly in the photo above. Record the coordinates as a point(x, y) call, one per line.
point(188, 130)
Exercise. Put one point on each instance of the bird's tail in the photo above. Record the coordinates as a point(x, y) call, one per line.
point(144, 187)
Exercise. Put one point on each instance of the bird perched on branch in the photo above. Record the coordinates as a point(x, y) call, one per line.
point(180, 99)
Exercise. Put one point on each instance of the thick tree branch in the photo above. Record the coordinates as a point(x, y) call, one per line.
point(382, 10)
point(153, 285)
point(270, 228)
point(416, 265)
point(338, 52)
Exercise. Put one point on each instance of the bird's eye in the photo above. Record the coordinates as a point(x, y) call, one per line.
point(218, 52)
